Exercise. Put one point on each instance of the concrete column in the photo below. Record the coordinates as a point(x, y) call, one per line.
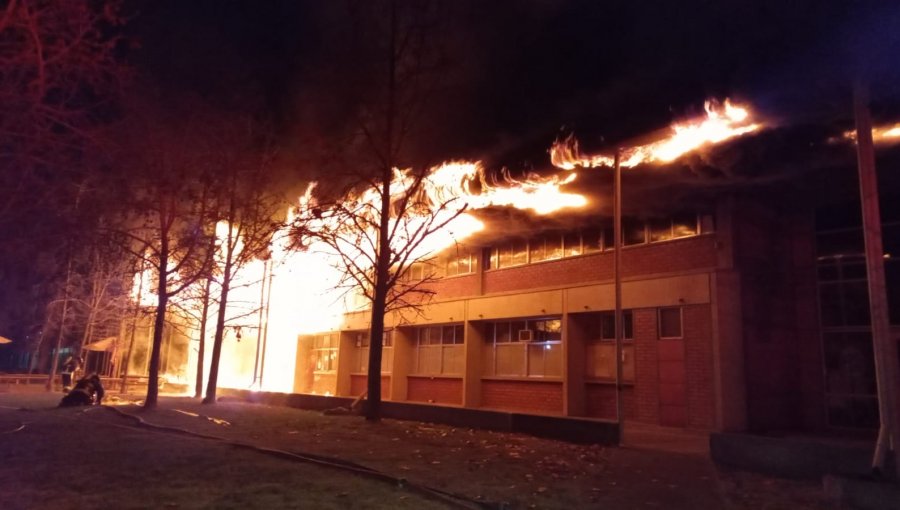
point(346, 352)
point(573, 371)
point(404, 351)
point(727, 324)
point(474, 345)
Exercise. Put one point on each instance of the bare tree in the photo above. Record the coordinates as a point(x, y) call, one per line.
point(247, 221)
point(59, 73)
point(170, 207)
point(381, 229)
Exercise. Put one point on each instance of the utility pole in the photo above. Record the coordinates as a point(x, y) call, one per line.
point(617, 283)
point(884, 347)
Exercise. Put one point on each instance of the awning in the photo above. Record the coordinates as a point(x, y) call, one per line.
point(102, 345)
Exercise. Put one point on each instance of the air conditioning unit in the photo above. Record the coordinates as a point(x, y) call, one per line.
point(526, 335)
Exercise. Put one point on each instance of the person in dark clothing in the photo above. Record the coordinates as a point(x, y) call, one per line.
point(68, 368)
point(87, 391)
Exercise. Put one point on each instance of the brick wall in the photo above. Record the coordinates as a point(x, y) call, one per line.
point(646, 369)
point(600, 401)
point(763, 248)
point(359, 384)
point(440, 390)
point(544, 397)
point(456, 287)
point(698, 360)
point(672, 256)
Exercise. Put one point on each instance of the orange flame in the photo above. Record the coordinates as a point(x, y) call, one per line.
point(881, 135)
point(722, 122)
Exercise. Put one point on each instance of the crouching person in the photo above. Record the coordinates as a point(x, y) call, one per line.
point(87, 391)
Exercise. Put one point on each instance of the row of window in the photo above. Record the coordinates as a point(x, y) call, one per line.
point(557, 245)
point(521, 348)
point(460, 261)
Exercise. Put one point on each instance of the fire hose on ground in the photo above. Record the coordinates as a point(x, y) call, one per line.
point(457, 500)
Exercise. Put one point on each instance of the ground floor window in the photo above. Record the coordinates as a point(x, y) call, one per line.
point(600, 345)
point(670, 322)
point(850, 388)
point(440, 350)
point(524, 348)
point(361, 351)
point(325, 352)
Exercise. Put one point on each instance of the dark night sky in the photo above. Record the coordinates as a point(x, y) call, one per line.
point(521, 70)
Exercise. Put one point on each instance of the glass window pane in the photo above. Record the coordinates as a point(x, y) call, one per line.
point(848, 242)
point(608, 326)
point(828, 272)
point(536, 247)
point(684, 224)
point(458, 334)
point(633, 232)
point(854, 270)
point(502, 334)
point(600, 360)
point(516, 327)
point(572, 244)
point(452, 266)
point(428, 360)
point(511, 359)
point(592, 239)
point(609, 238)
point(830, 304)
point(892, 278)
point(519, 253)
point(670, 322)
point(660, 229)
point(553, 246)
point(454, 357)
point(447, 334)
point(855, 302)
point(536, 360)
point(465, 264)
point(505, 258)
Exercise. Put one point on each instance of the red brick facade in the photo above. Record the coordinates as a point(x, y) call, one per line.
point(601, 401)
point(437, 390)
point(359, 384)
point(544, 397)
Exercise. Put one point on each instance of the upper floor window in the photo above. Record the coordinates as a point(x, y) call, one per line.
point(593, 239)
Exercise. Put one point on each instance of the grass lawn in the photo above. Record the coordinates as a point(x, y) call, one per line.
point(96, 458)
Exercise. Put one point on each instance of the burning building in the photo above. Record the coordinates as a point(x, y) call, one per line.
point(742, 310)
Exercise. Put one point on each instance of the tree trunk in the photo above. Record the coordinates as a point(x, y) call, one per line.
point(382, 265)
point(54, 361)
point(220, 330)
point(158, 324)
point(198, 392)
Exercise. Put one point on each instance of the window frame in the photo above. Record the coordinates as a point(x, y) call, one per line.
point(659, 322)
